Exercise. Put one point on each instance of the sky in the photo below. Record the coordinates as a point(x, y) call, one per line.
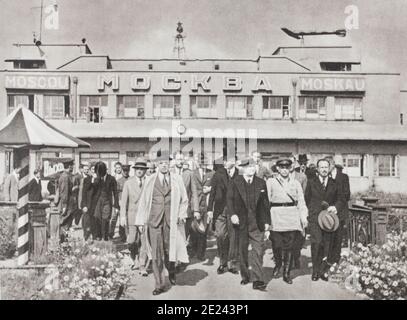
point(213, 28)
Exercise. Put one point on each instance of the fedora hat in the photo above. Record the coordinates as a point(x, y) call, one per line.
point(328, 221)
point(140, 163)
point(302, 158)
point(198, 226)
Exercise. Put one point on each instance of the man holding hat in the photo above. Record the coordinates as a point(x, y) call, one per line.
point(342, 180)
point(120, 184)
point(162, 213)
point(129, 202)
point(324, 201)
point(288, 217)
point(248, 206)
point(200, 178)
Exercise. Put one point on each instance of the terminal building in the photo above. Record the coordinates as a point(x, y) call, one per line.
point(317, 101)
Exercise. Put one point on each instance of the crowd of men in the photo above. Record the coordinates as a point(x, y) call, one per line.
point(166, 211)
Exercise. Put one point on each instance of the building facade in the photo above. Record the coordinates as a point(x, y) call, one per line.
point(302, 100)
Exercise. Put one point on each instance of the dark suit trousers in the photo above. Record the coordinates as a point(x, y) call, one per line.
point(159, 239)
point(101, 228)
point(255, 258)
point(222, 238)
point(335, 247)
point(196, 241)
point(87, 225)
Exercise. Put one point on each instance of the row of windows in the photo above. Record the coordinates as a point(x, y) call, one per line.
point(132, 106)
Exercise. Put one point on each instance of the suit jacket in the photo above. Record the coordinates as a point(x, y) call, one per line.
point(342, 180)
point(129, 199)
point(112, 200)
point(65, 185)
point(315, 195)
point(301, 178)
point(34, 190)
point(217, 197)
point(86, 192)
point(237, 202)
point(198, 196)
point(11, 188)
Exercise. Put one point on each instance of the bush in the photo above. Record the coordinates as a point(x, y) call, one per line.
point(381, 271)
point(7, 241)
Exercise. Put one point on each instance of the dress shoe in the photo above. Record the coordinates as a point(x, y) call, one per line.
point(233, 270)
point(276, 271)
point(143, 273)
point(287, 278)
point(172, 279)
point(221, 269)
point(156, 292)
point(244, 282)
point(259, 285)
point(324, 276)
point(314, 276)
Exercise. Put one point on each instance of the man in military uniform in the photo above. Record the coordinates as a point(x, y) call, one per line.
point(288, 217)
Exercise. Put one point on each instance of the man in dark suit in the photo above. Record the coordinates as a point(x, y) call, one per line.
point(34, 187)
point(342, 180)
point(87, 218)
point(102, 200)
point(226, 233)
point(321, 193)
point(248, 204)
point(200, 178)
point(65, 185)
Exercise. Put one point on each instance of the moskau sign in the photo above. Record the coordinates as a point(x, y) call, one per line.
point(42, 82)
point(332, 84)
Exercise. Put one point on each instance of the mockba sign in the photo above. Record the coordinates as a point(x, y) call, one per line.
point(174, 83)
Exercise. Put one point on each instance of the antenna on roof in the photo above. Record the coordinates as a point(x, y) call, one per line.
point(179, 48)
point(301, 34)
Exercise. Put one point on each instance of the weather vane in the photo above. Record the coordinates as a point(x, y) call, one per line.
point(179, 48)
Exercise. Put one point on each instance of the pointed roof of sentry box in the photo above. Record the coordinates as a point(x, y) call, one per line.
point(24, 128)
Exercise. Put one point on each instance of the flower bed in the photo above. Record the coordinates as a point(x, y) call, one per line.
point(7, 240)
point(77, 270)
point(378, 272)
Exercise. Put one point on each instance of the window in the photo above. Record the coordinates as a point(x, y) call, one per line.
point(348, 108)
point(312, 108)
point(239, 107)
point(17, 100)
point(203, 107)
point(130, 106)
point(167, 106)
point(386, 166)
point(109, 158)
point(92, 107)
point(276, 107)
point(336, 66)
point(56, 107)
point(29, 64)
point(354, 165)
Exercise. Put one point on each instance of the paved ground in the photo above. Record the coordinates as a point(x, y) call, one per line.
point(200, 282)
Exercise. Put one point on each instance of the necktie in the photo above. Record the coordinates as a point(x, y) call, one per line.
point(249, 181)
point(323, 182)
point(165, 182)
point(140, 183)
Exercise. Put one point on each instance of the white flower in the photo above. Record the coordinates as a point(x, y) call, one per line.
point(66, 278)
point(395, 283)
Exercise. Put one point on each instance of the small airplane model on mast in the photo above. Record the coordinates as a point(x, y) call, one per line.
point(301, 34)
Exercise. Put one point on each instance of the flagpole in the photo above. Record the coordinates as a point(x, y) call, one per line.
point(42, 5)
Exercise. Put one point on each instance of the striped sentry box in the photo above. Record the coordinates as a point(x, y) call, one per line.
point(22, 206)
